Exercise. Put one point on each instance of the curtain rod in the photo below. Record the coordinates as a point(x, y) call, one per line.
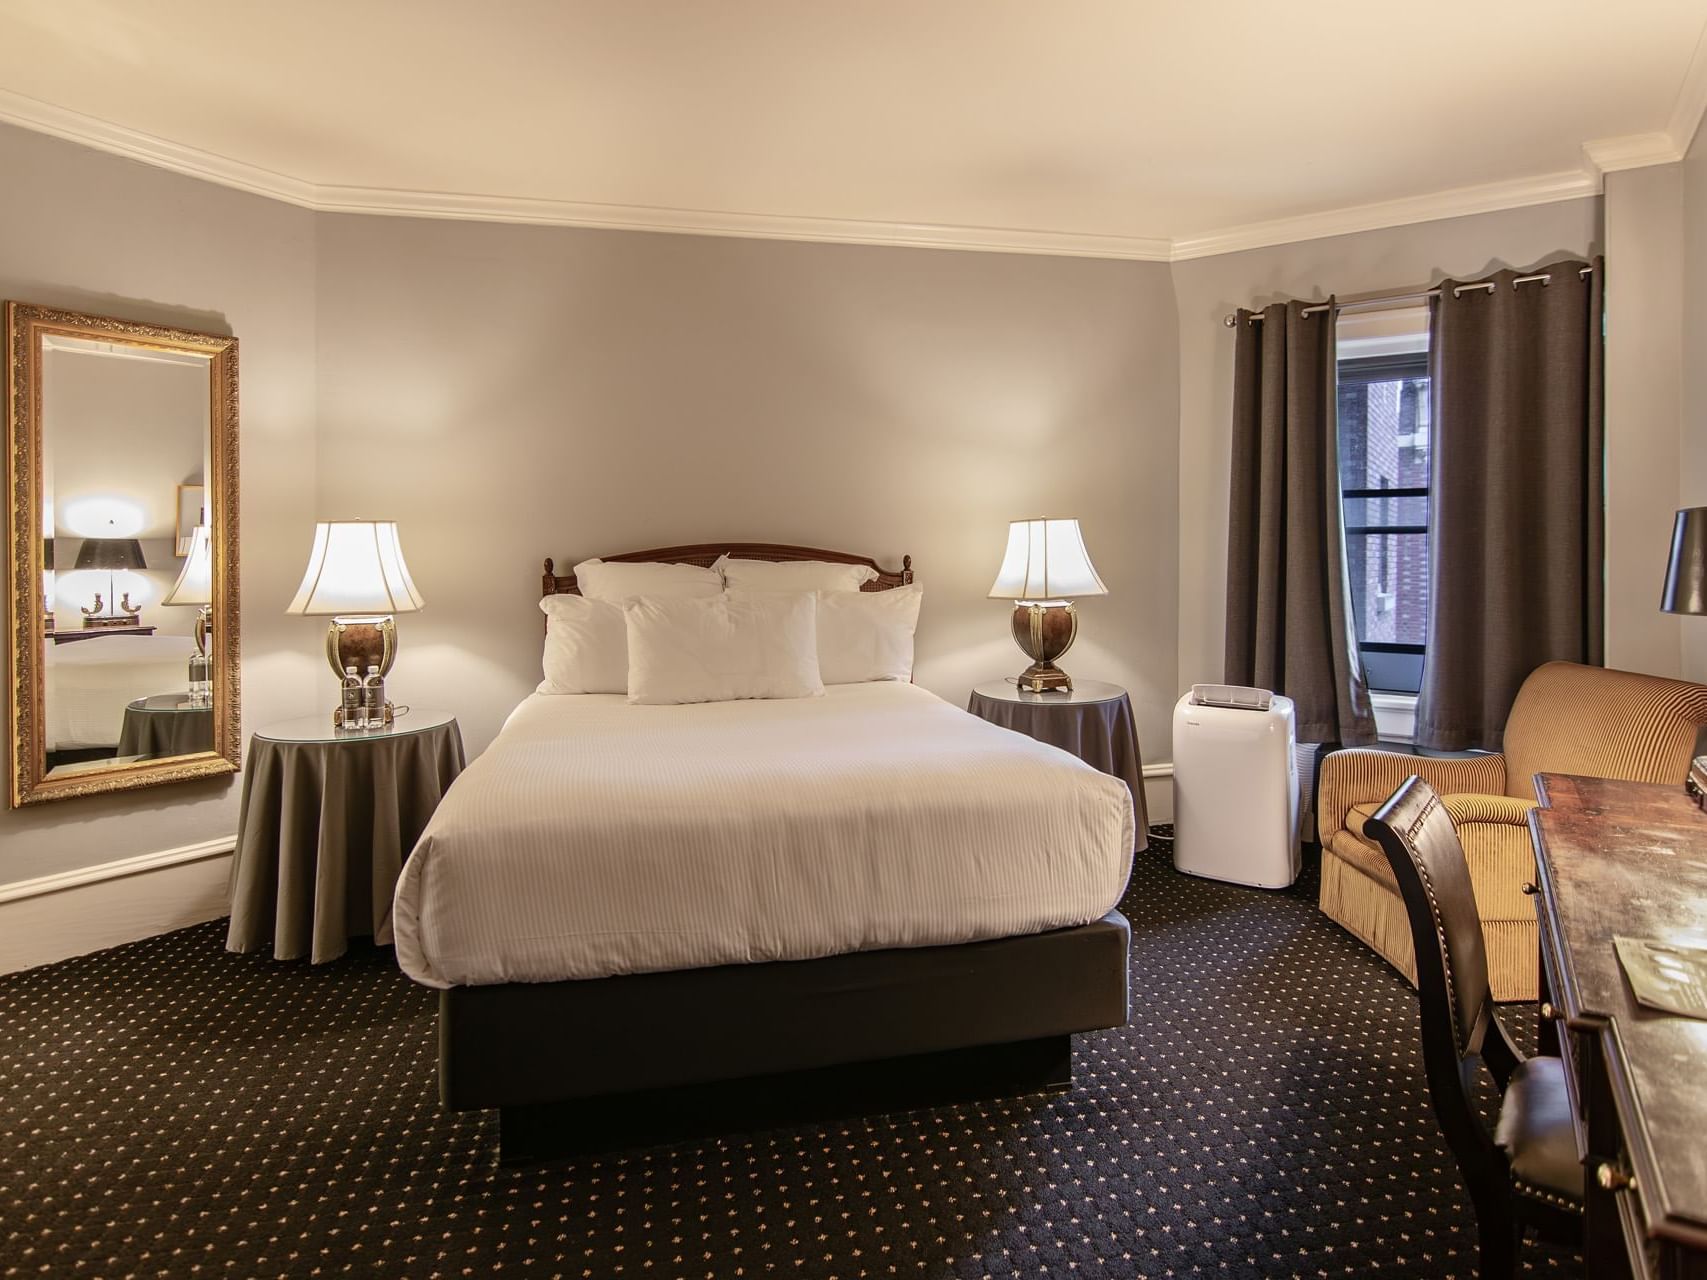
point(1388, 300)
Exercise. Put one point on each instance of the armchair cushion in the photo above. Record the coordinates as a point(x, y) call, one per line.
point(1367, 776)
point(1494, 831)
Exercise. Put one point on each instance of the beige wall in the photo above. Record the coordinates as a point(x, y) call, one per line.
point(84, 230)
point(510, 392)
point(1370, 262)
point(1644, 377)
point(1692, 485)
point(507, 393)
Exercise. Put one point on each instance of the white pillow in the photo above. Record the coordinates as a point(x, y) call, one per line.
point(586, 646)
point(616, 581)
point(792, 575)
point(867, 635)
point(722, 648)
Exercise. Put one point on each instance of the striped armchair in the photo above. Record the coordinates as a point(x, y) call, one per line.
point(1567, 719)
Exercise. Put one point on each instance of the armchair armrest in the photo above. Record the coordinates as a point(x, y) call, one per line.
point(1471, 807)
point(1364, 775)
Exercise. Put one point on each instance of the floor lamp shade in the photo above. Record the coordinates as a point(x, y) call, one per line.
point(357, 576)
point(1686, 571)
point(1044, 565)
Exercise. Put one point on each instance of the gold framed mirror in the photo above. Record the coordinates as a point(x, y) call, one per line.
point(122, 640)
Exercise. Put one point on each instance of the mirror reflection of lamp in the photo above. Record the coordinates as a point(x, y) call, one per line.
point(195, 587)
point(111, 554)
point(48, 581)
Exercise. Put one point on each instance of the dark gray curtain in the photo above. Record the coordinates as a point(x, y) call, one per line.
point(1517, 495)
point(1288, 605)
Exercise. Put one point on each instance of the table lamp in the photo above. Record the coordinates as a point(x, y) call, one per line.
point(47, 581)
point(357, 576)
point(1686, 571)
point(111, 554)
point(195, 587)
point(1046, 563)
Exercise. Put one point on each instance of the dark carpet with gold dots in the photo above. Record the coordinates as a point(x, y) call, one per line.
point(167, 1109)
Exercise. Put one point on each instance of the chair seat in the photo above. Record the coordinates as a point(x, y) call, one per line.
point(1494, 831)
point(1535, 1133)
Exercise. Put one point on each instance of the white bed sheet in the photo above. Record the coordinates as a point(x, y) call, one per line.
point(90, 682)
point(595, 838)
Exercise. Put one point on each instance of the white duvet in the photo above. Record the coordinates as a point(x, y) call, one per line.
point(596, 838)
point(89, 683)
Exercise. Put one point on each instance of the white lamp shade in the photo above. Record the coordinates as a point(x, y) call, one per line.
point(1046, 560)
point(195, 580)
point(356, 567)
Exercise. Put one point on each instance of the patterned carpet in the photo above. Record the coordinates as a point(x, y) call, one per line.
point(167, 1109)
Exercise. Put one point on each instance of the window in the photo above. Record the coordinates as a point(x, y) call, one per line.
point(1384, 474)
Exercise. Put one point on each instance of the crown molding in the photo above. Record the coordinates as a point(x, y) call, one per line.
point(1601, 156)
point(133, 144)
point(717, 222)
point(1457, 202)
point(1691, 102)
point(1669, 145)
point(1634, 151)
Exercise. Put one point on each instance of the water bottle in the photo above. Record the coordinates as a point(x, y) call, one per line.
point(373, 700)
point(353, 704)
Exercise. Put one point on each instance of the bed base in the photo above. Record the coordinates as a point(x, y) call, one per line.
point(648, 1058)
point(542, 1131)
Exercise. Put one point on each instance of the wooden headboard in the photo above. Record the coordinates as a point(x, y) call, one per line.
point(703, 553)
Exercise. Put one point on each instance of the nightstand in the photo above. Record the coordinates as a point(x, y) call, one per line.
point(166, 724)
point(1093, 721)
point(328, 817)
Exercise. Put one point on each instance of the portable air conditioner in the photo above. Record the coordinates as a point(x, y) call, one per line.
point(1236, 786)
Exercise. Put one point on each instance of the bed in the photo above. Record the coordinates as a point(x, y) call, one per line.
point(642, 916)
point(89, 684)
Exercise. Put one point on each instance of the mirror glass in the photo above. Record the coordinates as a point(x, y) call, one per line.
point(124, 461)
point(129, 589)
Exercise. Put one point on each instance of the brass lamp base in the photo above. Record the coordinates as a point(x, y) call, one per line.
point(1044, 630)
point(361, 642)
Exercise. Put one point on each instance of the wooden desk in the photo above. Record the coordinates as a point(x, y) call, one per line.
point(1626, 858)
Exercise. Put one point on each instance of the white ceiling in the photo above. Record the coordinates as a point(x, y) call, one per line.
point(1115, 127)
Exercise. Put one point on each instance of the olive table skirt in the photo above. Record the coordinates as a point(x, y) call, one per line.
point(156, 734)
point(324, 830)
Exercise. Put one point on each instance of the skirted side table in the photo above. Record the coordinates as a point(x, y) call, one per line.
point(328, 817)
point(166, 724)
point(1094, 722)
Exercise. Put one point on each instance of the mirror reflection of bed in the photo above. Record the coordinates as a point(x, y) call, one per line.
point(121, 697)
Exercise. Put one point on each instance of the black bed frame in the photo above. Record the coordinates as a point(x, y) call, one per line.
point(634, 1060)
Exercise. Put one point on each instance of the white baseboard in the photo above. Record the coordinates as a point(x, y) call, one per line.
point(1159, 791)
point(75, 912)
